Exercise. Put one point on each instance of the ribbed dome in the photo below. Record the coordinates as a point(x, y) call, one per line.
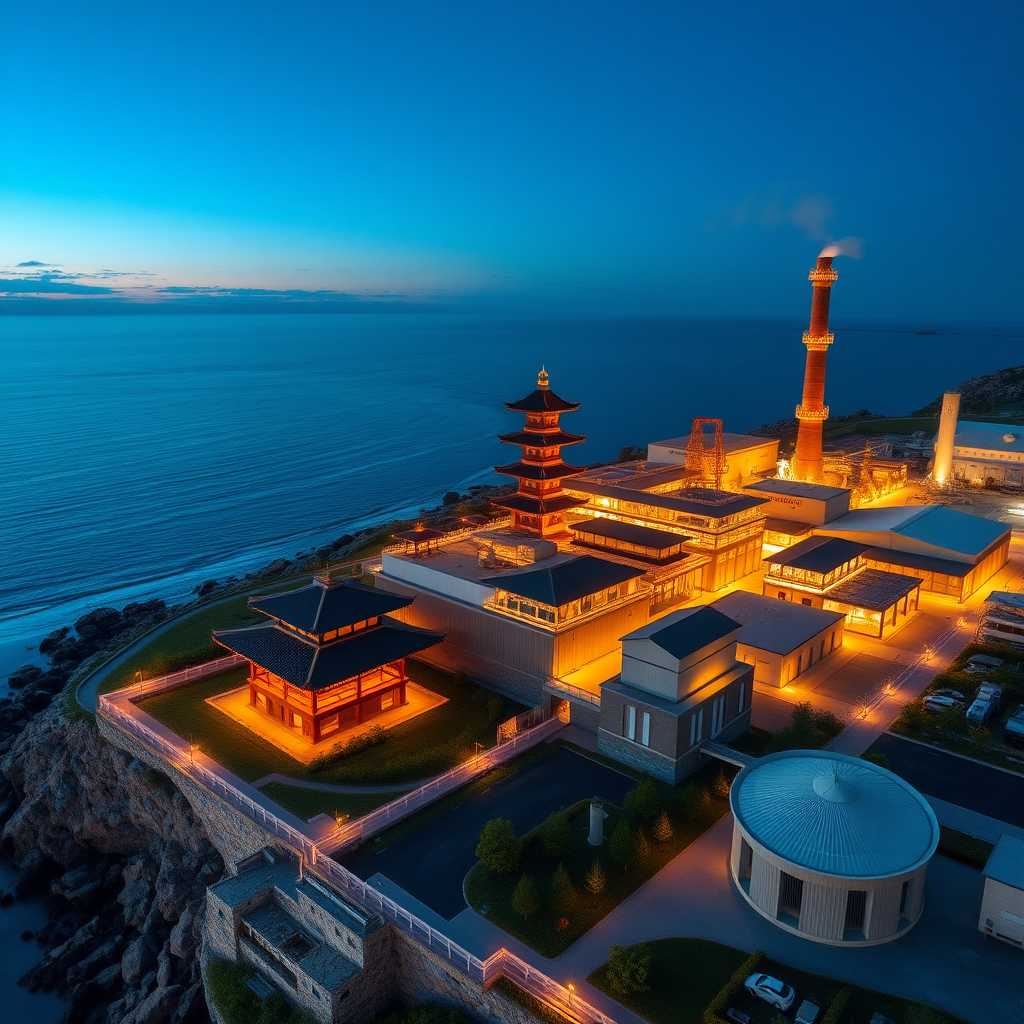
point(834, 814)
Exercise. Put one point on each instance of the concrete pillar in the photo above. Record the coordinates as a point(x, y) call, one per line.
point(596, 837)
point(943, 467)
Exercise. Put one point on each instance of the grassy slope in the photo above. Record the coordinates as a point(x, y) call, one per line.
point(307, 803)
point(540, 931)
point(688, 973)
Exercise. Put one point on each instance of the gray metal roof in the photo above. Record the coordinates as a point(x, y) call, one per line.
point(818, 554)
point(1006, 862)
point(994, 437)
point(834, 814)
point(874, 589)
point(799, 489)
point(645, 536)
point(773, 625)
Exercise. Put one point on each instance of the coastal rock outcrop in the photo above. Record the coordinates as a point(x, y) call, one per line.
point(123, 863)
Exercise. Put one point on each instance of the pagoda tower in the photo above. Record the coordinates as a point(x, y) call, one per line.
point(539, 505)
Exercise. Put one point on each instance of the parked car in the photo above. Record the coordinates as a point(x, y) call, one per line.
point(936, 702)
point(982, 663)
point(1013, 731)
point(808, 1012)
point(979, 712)
point(771, 990)
point(992, 693)
point(952, 694)
point(737, 1016)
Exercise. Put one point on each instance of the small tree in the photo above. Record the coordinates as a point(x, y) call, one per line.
point(643, 846)
point(622, 845)
point(663, 828)
point(642, 802)
point(555, 836)
point(596, 880)
point(720, 787)
point(562, 897)
point(499, 847)
point(524, 897)
point(629, 969)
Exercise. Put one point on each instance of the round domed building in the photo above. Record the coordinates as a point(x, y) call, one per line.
point(831, 847)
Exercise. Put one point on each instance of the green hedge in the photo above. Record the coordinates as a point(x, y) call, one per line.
point(835, 1012)
point(238, 1004)
point(715, 1013)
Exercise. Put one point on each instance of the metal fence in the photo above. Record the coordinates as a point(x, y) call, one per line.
point(400, 547)
point(527, 720)
point(574, 692)
point(119, 709)
point(150, 687)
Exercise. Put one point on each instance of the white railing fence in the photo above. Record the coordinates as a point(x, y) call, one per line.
point(527, 720)
point(574, 692)
point(150, 687)
point(121, 711)
point(400, 547)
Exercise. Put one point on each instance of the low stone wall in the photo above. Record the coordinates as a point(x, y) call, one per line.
point(233, 834)
point(586, 716)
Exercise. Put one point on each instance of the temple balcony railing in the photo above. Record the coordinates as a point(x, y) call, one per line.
point(557, 623)
point(404, 547)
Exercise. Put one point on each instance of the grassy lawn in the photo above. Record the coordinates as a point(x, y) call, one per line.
point(949, 730)
point(686, 974)
point(425, 746)
point(307, 803)
point(691, 808)
point(964, 848)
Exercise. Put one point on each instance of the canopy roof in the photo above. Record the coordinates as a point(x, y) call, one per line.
point(834, 814)
point(567, 581)
point(555, 471)
point(874, 589)
point(643, 536)
point(420, 534)
point(321, 608)
point(818, 554)
point(313, 666)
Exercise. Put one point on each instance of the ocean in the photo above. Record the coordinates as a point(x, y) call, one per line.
point(143, 454)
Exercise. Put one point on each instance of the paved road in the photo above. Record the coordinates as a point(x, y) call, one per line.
point(432, 862)
point(956, 780)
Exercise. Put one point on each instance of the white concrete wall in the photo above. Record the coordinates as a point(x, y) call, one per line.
point(1003, 906)
point(421, 574)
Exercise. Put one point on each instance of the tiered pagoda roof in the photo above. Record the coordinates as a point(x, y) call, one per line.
point(294, 646)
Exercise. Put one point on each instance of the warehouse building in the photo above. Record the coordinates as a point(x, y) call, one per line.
point(951, 552)
point(988, 454)
point(749, 458)
point(781, 639)
point(830, 847)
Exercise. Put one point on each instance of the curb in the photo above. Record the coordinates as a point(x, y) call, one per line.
point(951, 753)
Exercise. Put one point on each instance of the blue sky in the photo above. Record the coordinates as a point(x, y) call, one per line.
point(580, 157)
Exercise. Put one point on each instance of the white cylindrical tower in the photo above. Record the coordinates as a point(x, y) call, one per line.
point(943, 468)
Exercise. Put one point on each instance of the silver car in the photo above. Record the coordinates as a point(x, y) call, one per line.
point(771, 990)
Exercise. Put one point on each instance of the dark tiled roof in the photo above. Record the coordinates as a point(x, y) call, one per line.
point(567, 581)
point(818, 554)
point(645, 536)
point(311, 666)
point(790, 527)
point(319, 608)
point(689, 634)
point(538, 440)
point(542, 400)
point(536, 506)
point(420, 534)
point(873, 589)
point(556, 471)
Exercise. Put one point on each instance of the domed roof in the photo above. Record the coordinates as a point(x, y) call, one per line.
point(834, 814)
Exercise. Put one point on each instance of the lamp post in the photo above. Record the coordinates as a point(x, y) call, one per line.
point(572, 988)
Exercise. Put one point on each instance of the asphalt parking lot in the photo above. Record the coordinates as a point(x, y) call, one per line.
point(432, 862)
point(977, 787)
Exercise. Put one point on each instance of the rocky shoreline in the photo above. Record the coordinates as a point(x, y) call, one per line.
point(108, 845)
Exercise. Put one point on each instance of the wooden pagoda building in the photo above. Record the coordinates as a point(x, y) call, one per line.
point(539, 504)
point(329, 658)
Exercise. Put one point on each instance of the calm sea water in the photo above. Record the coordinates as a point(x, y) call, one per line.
point(142, 455)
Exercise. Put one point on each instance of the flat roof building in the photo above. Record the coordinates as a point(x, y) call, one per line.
point(986, 454)
point(951, 552)
point(830, 847)
point(780, 639)
point(1002, 905)
point(801, 502)
point(748, 457)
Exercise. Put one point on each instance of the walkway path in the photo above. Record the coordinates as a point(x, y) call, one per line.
point(330, 787)
point(971, 823)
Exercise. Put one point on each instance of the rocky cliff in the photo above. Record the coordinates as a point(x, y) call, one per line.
point(122, 862)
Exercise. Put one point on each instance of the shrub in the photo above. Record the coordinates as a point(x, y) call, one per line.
point(356, 745)
point(622, 845)
point(238, 1004)
point(494, 705)
point(499, 847)
point(874, 757)
point(562, 898)
point(643, 846)
point(642, 803)
point(693, 800)
point(596, 880)
point(555, 836)
point(913, 717)
point(952, 720)
point(629, 969)
point(524, 897)
point(720, 787)
point(663, 828)
point(715, 1012)
point(981, 736)
point(837, 1008)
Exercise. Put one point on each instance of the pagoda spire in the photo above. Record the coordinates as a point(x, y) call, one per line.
point(539, 504)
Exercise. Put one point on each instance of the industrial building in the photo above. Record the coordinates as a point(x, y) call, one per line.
point(833, 574)
point(1002, 905)
point(976, 454)
point(831, 848)
point(748, 458)
point(951, 552)
point(681, 685)
point(779, 638)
